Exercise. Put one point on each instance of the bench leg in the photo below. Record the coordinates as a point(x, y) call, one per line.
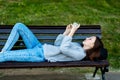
point(103, 73)
point(103, 70)
point(96, 69)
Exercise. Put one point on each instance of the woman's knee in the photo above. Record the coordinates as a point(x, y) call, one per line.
point(19, 25)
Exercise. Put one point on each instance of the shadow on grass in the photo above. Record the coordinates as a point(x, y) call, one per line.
point(44, 77)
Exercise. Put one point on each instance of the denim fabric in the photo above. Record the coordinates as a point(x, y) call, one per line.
point(34, 51)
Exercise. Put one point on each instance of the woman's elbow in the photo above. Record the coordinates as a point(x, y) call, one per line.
point(63, 49)
point(80, 57)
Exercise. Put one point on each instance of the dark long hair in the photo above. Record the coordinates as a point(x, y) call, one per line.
point(94, 53)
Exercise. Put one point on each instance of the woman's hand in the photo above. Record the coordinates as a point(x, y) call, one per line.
point(73, 30)
point(68, 29)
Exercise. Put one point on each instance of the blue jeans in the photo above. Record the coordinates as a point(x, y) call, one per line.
point(34, 51)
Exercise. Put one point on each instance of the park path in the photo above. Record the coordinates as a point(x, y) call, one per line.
point(49, 74)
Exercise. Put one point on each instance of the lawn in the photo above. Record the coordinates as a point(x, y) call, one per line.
point(62, 12)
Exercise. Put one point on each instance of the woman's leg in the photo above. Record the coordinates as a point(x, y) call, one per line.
point(28, 37)
point(26, 55)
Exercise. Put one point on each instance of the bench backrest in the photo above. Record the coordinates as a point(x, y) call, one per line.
point(47, 34)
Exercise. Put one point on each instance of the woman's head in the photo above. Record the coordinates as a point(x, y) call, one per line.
point(88, 43)
point(92, 46)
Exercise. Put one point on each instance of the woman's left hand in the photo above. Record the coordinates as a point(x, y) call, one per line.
point(74, 28)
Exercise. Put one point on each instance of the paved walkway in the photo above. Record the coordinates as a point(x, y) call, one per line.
point(39, 74)
point(108, 76)
point(113, 76)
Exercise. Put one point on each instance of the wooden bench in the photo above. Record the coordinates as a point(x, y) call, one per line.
point(47, 34)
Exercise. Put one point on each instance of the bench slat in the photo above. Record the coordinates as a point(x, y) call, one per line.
point(53, 37)
point(102, 63)
point(53, 31)
point(54, 26)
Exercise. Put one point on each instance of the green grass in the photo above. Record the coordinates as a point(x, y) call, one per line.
point(62, 12)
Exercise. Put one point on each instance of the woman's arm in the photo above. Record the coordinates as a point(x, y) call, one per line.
point(76, 52)
point(70, 30)
point(60, 37)
point(73, 51)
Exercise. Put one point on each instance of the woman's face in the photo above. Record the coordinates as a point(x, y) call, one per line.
point(88, 43)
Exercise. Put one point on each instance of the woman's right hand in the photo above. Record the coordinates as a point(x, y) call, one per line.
point(68, 29)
